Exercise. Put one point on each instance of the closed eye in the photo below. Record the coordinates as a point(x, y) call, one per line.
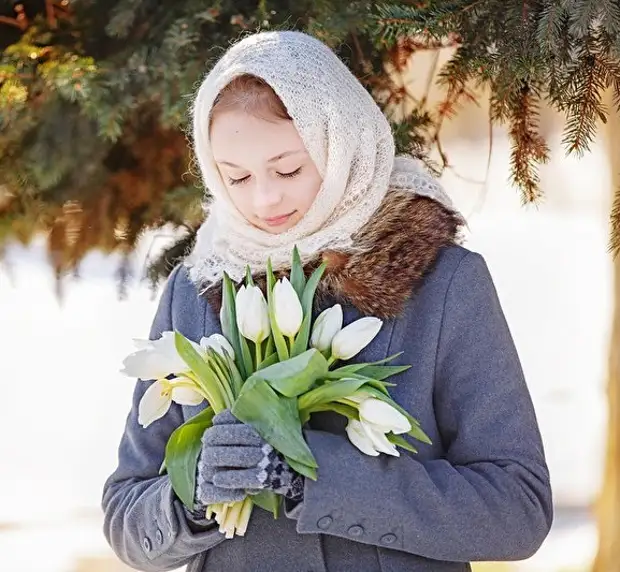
point(291, 174)
point(232, 181)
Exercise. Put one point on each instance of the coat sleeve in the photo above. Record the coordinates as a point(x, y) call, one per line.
point(144, 522)
point(490, 497)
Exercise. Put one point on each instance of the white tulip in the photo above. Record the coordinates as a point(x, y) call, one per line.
point(382, 417)
point(218, 343)
point(326, 326)
point(157, 399)
point(287, 308)
point(379, 440)
point(359, 438)
point(252, 314)
point(353, 338)
point(377, 419)
point(155, 359)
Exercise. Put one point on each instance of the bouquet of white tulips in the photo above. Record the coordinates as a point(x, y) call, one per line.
point(273, 368)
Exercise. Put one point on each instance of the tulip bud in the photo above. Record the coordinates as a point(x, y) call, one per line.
point(383, 417)
point(252, 314)
point(218, 343)
point(326, 326)
point(353, 338)
point(287, 308)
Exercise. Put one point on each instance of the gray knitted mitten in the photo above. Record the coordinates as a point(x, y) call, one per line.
point(236, 461)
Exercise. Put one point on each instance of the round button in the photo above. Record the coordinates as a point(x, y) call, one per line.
point(324, 522)
point(146, 544)
point(159, 537)
point(356, 530)
point(388, 538)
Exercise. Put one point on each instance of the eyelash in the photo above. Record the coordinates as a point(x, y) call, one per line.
point(290, 175)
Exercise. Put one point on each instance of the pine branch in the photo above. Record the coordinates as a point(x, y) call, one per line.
point(583, 16)
point(529, 149)
point(614, 220)
point(579, 94)
point(610, 16)
point(552, 26)
point(433, 20)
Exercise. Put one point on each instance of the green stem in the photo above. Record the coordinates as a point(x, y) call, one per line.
point(291, 341)
point(214, 400)
point(259, 357)
point(331, 361)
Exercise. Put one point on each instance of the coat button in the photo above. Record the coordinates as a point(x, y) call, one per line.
point(324, 522)
point(159, 537)
point(355, 530)
point(388, 539)
point(146, 544)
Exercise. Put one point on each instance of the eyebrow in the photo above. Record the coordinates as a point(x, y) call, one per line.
point(272, 160)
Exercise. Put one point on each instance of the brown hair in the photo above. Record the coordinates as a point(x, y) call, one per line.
point(253, 95)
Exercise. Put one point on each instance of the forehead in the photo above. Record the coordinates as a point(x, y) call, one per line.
point(239, 135)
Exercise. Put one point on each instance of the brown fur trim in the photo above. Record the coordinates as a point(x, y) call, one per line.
point(393, 253)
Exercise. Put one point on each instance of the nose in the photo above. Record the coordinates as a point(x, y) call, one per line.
point(266, 196)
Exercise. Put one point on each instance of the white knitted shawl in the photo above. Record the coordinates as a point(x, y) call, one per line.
point(346, 135)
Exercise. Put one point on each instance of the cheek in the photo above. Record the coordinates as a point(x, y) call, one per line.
point(307, 192)
point(241, 200)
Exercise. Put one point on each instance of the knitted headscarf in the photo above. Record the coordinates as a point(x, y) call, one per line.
point(345, 133)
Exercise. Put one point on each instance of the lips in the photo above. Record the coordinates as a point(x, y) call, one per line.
point(278, 220)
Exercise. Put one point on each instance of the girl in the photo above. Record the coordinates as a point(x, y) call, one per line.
point(296, 152)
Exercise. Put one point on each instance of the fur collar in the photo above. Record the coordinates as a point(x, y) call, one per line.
point(394, 252)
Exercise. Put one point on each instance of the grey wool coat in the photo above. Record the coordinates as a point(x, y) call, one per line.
point(479, 492)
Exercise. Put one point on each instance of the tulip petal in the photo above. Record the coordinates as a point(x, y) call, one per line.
point(186, 396)
point(252, 314)
point(218, 343)
point(154, 403)
point(155, 360)
point(326, 326)
point(287, 308)
point(353, 338)
point(379, 440)
point(383, 416)
point(359, 438)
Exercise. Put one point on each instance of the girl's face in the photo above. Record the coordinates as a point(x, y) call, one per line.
point(264, 164)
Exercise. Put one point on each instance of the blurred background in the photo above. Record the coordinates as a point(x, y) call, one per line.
point(81, 272)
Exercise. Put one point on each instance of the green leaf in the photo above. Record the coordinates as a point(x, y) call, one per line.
point(298, 278)
point(356, 367)
point(221, 371)
point(302, 469)
point(307, 303)
point(278, 338)
point(329, 392)
point(295, 375)
point(300, 344)
point(228, 318)
point(237, 380)
point(341, 408)
point(380, 385)
point(275, 418)
point(249, 281)
point(416, 430)
point(269, 349)
point(401, 442)
point(207, 379)
point(182, 450)
point(269, 501)
point(381, 372)
point(269, 360)
point(162, 468)
point(246, 356)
